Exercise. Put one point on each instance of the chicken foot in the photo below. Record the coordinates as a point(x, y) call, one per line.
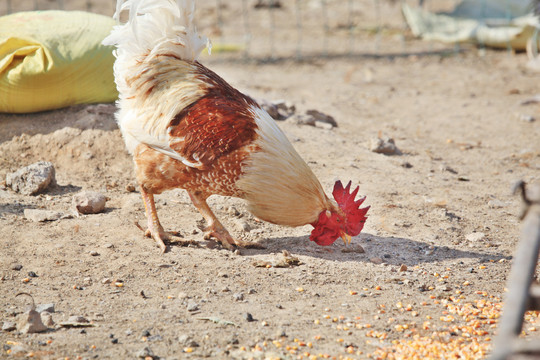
point(214, 227)
point(155, 230)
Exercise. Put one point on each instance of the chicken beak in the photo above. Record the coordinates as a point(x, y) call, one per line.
point(346, 237)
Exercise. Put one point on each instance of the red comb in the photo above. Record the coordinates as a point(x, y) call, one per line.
point(356, 216)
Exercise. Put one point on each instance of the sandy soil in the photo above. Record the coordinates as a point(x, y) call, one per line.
point(443, 208)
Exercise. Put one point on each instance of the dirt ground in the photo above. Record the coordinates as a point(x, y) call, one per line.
point(441, 231)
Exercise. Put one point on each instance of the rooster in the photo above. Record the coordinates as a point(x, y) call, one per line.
point(188, 128)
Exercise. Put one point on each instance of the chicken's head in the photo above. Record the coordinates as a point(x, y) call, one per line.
point(345, 221)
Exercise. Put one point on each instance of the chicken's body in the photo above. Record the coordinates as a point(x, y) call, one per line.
point(187, 128)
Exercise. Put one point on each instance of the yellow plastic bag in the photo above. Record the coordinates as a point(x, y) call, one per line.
point(53, 59)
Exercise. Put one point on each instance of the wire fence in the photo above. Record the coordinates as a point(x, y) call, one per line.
point(272, 30)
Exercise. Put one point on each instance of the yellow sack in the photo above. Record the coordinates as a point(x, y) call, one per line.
point(53, 59)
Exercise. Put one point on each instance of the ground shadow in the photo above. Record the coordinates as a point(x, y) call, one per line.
point(392, 250)
point(96, 116)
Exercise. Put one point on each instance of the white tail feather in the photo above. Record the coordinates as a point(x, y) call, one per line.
point(157, 27)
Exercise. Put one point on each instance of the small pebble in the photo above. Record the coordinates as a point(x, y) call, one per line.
point(39, 215)
point(238, 296)
point(8, 326)
point(232, 211)
point(192, 306)
point(94, 253)
point(248, 317)
point(155, 338)
point(526, 118)
point(145, 333)
point(146, 353)
point(47, 319)
point(475, 236)
point(242, 225)
point(45, 307)
point(496, 204)
point(443, 288)
point(32, 274)
point(89, 202)
point(78, 319)
point(353, 248)
point(406, 165)
point(403, 267)
point(17, 267)
point(386, 146)
point(376, 260)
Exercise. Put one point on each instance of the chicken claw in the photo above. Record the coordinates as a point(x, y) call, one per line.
point(155, 230)
point(214, 229)
point(218, 232)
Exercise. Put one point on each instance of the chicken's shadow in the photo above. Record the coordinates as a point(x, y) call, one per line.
point(391, 250)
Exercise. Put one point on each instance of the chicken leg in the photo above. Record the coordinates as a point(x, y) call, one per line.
point(215, 228)
point(155, 230)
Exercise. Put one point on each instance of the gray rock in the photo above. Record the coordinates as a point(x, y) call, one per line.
point(386, 146)
point(8, 326)
point(232, 211)
point(320, 117)
point(192, 306)
point(270, 108)
point(285, 109)
point(475, 236)
point(45, 307)
point(278, 110)
point(46, 318)
point(187, 341)
point(323, 125)
point(248, 317)
point(32, 179)
point(317, 119)
point(526, 118)
point(238, 296)
point(146, 352)
point(77, 319)
point(39, 215)
point(89, 202)
point(242, 225)
point(30, 322)
point(443, 288)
